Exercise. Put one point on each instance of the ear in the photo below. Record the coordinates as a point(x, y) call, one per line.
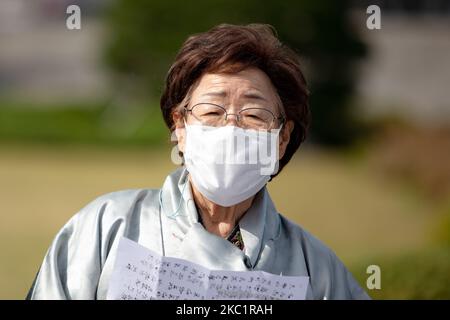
point(285, 135)
point(180, 131)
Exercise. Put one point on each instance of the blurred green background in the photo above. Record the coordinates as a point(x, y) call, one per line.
point(79, 117)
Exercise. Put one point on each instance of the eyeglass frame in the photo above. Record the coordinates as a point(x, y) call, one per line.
point(238, 115)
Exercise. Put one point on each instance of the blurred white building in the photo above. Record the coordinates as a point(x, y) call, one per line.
point(41, 60)
point(408, 68)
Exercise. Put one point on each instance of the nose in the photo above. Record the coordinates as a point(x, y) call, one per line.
point(233, 120)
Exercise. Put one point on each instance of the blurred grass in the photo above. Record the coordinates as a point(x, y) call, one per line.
point(441, 232)
point(105, 123)
point(420, 274)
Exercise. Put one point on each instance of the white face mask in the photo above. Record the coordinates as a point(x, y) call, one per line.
point(229, 164)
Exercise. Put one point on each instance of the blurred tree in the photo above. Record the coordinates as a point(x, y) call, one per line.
point(145, 36)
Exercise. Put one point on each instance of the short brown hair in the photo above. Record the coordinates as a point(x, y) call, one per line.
point(229, 49)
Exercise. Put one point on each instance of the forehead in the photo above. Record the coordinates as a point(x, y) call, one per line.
point(251, 79)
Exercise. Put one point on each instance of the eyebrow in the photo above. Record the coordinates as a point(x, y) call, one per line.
point(256, 96)
point(250, 95)
point(215, 94)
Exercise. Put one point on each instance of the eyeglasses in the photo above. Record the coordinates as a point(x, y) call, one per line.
point(211, 114)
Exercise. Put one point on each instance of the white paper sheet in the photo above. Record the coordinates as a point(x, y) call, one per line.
point(142, 274)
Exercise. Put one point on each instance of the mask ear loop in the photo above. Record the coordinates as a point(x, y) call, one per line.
point(175, 213)
point(278, 131)
point(280, 128)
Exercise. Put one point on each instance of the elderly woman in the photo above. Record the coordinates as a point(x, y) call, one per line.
point(237, 102)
